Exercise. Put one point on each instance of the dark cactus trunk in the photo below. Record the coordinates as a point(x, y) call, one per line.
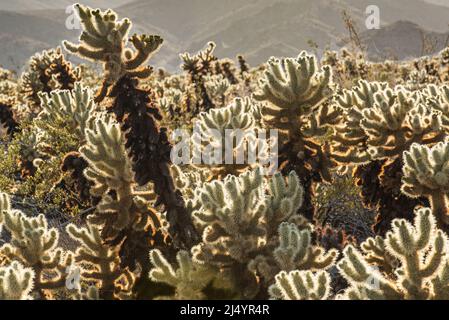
point(149, 149)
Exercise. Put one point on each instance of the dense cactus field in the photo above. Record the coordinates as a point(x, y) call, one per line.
point(353, 204)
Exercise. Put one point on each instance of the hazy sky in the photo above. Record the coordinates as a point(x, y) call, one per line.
point(24, 5)
point(440, 2)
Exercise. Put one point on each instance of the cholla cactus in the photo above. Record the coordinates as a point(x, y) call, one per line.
point(293, 250)
point(8, 91)
point(427, 70)
point(16, 282)
point(380, 123)
point(28, 152)
point(296, 251)
point(213, 229)
point(294, 85)
point(101, 264)
point(189, 280)
point(124, 211)
point(217, 88)
point(104, 39)
point(241, 114)
point(171, 103)
point(110, 170)
point(301, 285)
point(244, 67)
point(223, 242)
point(188, 182)
point(217, 129)
point(395, 121)
point(249, 236)
point(35, 245)
point(426, 173)
point(438, 99)
point(76, 105)
point(226, 68)
point(198, 66)
point(350, 140)
point(60, 126)
point(422, 252)
point(297, 92)
point(235, 230)
point(47, 71)
point(5, 74)
point(5, 204)
point(347, 66)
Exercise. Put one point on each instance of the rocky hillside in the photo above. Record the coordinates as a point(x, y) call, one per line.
point(255, 28)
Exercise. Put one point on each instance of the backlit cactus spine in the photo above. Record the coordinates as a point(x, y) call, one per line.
point(35, 246)
point(258, 234)
point(410, 263)
point(229, 133)
point(104, 39)
point(297, 93)
point(101, 264)
point(189, 280)
point(426, 173)
point(16, 282)
point(301, 285)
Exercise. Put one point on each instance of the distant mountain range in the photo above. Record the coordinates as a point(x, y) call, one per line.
point(255, 28)
point(402, 40)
